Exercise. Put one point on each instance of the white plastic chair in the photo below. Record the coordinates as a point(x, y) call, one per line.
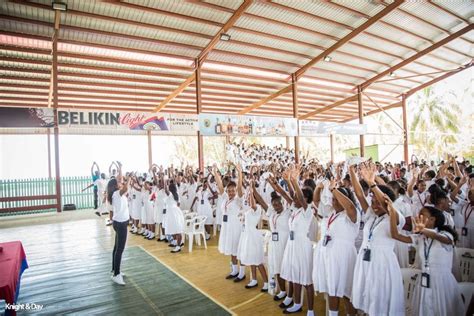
point(195, 226)
point(409, 282)
point(464, 263)
point(467, 291)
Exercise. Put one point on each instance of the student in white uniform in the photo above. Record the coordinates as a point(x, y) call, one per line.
point(337, 251)
point(231, 226)
point(464, 217)
point(135, 204)
point(418, 196)
point(297, 261)
point(148, 198)
point(174, 217)
point(117, 197)
point(250, 249)
point(160, 203)
point(377, 287)
point(437, 291)
point(278, 216)
point(202, 198)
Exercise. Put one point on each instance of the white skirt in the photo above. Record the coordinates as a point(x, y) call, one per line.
point(230, 236)
point(206, 210)
point(276, 249)
point(442, 298)
point(135, 210)
point(174, 221)
point(159, 206)
point(297, 264)
point(333, 270)
point(401, 251)
point(250, 249)
point(377, 287)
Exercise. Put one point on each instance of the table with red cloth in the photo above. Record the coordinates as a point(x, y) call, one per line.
point(12, 264)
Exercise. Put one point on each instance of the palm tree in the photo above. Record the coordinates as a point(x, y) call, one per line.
point(435, 122)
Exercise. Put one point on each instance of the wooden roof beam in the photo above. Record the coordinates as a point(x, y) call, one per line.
point(204, 53)
point(328, 51)
point(328, 107)
point(418, 55)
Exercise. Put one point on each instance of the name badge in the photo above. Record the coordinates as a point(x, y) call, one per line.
point(326, 240)
point(243, 228)
point(264, 190)
point(292, 235)
point(202, 202)
point(274, 236)
point(361, 225)
point(425, 279)
point(164, 211)
point(134, 196)
point(464, 231)
point(366, 256)
point(224, 218)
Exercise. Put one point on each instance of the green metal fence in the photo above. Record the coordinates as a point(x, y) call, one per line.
point(71, 188)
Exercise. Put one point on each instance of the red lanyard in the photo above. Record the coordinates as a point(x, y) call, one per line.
point(293, 216)
point(419, 198)
point(274, 220)
point(466, 218)
point(332, 219)
point(226, 205)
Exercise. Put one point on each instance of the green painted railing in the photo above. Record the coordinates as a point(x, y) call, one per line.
point(71, 188)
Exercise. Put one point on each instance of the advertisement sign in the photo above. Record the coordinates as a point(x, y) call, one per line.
point(223, 125)
point(26, 117)
point(313, 128)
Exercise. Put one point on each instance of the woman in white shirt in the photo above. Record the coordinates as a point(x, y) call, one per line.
point(117, 197)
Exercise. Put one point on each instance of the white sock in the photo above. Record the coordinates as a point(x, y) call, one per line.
point(333, 313)
point(242, 272)
point(288, 300)
point(234, 269)
point(294, 308)
point(252, 283)
point(265, 286)
point(310, 313)
point(282, 294)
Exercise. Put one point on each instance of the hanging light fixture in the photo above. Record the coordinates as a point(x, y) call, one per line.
point(327, 58)
point(225, 37)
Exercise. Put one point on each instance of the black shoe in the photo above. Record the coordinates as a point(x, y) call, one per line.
point(282, 305)
point(105, 213)
point(297, 311)
point(264, 290)
point(97, 213)
point(251, 287)
point(182, 244)
point(170, 245)
point(237, 279)
point(231, 276)
point(276, 298)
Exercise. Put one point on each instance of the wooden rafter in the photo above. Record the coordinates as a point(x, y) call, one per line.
point(328, 107)
point(328, 51)
point(202, 56)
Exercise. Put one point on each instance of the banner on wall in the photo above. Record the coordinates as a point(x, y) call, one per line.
point(313, 128)
point(26, 117)
point(241, 125)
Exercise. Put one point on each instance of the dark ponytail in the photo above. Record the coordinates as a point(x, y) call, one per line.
point(275, 196)
point(112, 186)
point(440, 221)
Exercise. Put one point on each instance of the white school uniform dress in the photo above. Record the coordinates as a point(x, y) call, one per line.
point(443, 297)
point(135, 203)
point(378, 287)
point(232, 228)
point(174, 217)
point(219, 208)
point(337, 258)
point(142, 207)
point(297, 264)
point(160, 205)
point(401, 248)
point(148, 206)
point(278, 223)
point(101, 193)
point(250, 249)
point(418, 200)
point(204, 206)
point(464, 223)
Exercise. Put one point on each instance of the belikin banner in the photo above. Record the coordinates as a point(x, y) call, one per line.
point(33, 118)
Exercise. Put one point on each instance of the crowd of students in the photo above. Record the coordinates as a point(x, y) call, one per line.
point(343, 229)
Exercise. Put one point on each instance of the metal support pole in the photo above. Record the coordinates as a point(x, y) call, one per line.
point(294, 90)
point(361, 120)
point(405, 128)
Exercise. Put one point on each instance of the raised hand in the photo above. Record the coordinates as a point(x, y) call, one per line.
point(390, 208)
point(420, 223)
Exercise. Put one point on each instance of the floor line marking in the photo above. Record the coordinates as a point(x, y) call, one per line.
point(187, 281)
point(248, 301)
point(145, 297)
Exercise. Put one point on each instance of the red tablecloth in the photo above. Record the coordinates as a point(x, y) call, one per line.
point(12, 264)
